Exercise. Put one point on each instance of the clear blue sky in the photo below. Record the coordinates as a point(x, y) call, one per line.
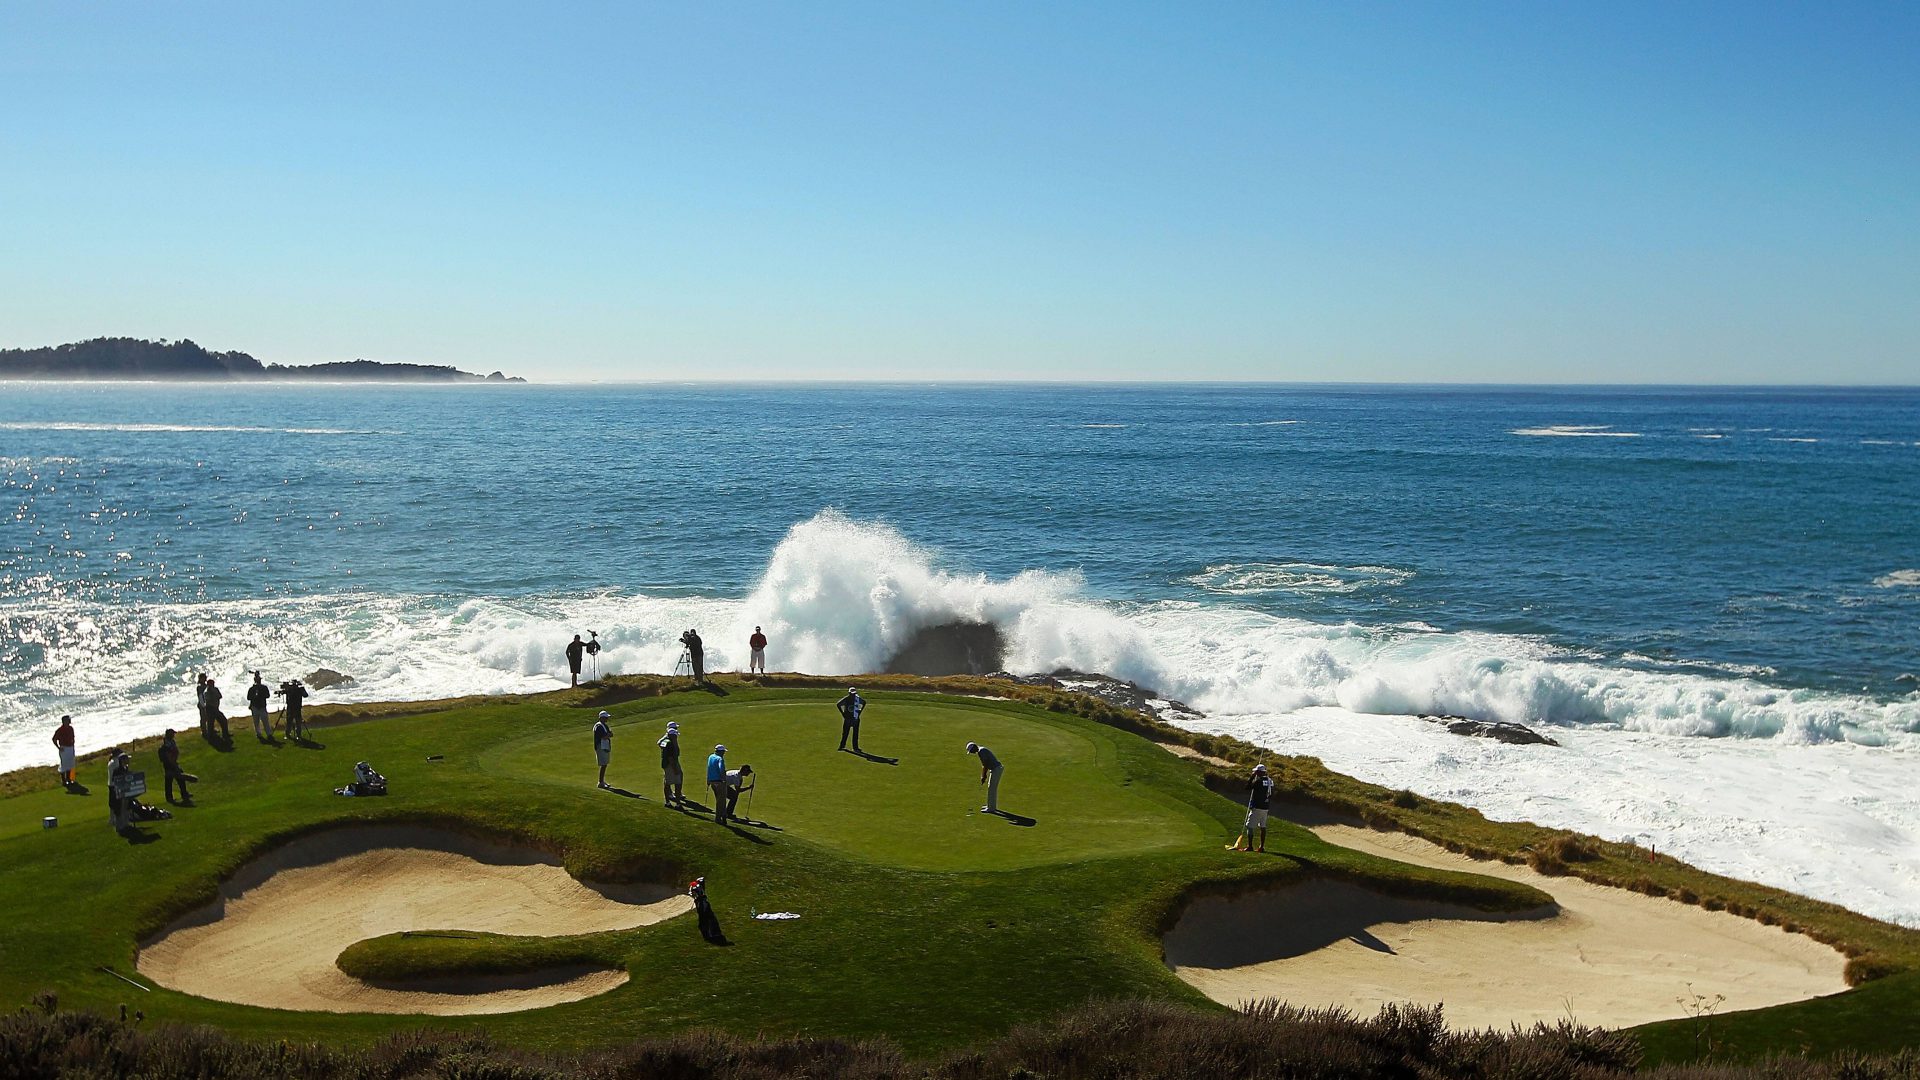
point(1597, 192)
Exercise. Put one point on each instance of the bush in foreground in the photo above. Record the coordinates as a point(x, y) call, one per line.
point(1113, 1040)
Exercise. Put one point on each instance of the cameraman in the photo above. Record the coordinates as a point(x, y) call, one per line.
point(696, 654)
point(295, 693)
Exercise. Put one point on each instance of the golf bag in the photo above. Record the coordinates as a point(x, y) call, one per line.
point(365, 782)
point(709, 922)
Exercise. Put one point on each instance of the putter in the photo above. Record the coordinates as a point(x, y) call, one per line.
point(750, 791)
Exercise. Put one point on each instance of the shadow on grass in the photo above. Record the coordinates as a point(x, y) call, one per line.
point(133, 834)
point(305, 743)
point(625, 794)
point(78, 788)
point(875, 758)
point(1015, 819)
point(755, 837)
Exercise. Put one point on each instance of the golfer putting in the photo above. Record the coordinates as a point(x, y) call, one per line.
point(990, 770)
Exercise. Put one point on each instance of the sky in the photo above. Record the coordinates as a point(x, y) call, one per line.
point(1448, 192)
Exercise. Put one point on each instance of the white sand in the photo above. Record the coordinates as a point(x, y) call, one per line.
point(281, 922)
point(1608, 957)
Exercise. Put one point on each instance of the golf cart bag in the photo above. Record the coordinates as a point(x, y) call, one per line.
point(365, 782)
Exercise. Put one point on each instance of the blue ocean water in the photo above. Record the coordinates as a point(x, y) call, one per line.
point(1651, 564)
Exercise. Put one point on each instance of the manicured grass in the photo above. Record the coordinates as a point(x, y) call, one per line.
point(920, 920)
point(916, 807)
point(400, 959)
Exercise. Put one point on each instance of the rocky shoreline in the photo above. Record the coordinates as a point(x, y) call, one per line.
point(1131, 695)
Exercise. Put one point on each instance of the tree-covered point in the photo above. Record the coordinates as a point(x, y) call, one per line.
point(137, 358)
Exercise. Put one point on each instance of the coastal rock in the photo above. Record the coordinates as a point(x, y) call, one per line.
point(1127, 695)
point(326, 678)
point(956, 648)
point(1500, 730)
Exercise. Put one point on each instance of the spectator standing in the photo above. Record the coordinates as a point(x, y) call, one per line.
point(63, 745)
point(215, 713)
point(757, 653)
point(850, 708)
point(257, 695)
point(717, 782)
point(602, 741)
point(170, 764)
point(673, 793)
point(576, 652)
point(200, 702)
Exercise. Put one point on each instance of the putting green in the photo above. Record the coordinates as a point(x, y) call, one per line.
point(914, 801)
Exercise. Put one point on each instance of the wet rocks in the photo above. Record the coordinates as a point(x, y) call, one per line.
point(1499, 730)
point(326, 678)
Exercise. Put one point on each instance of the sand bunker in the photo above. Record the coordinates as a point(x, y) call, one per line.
point(1608, 956)
point(273, 936)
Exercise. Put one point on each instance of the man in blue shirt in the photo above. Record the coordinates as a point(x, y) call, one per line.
point(717, 782)
point(990, 770)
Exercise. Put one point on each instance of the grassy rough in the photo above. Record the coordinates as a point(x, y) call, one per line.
point(1113, 1040)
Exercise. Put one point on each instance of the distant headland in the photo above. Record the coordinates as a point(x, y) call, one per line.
point(135, 358)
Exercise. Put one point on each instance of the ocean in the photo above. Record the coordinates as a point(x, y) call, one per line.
point(1709, 597)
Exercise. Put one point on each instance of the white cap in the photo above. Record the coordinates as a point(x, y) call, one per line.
point(972, 746)
point(605, 715)
point(720, 748)
point(1259, 768)
point(672, 726)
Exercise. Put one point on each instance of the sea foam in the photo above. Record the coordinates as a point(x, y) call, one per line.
point(840, 596)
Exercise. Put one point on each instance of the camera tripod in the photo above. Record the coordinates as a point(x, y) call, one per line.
point(685, 665)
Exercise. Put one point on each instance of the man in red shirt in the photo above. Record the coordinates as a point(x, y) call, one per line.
point(757, 658)
point(63, 742)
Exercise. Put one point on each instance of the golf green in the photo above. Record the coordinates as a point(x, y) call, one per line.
point(914, 798)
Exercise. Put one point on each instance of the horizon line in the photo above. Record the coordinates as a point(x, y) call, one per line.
point(966, 382)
